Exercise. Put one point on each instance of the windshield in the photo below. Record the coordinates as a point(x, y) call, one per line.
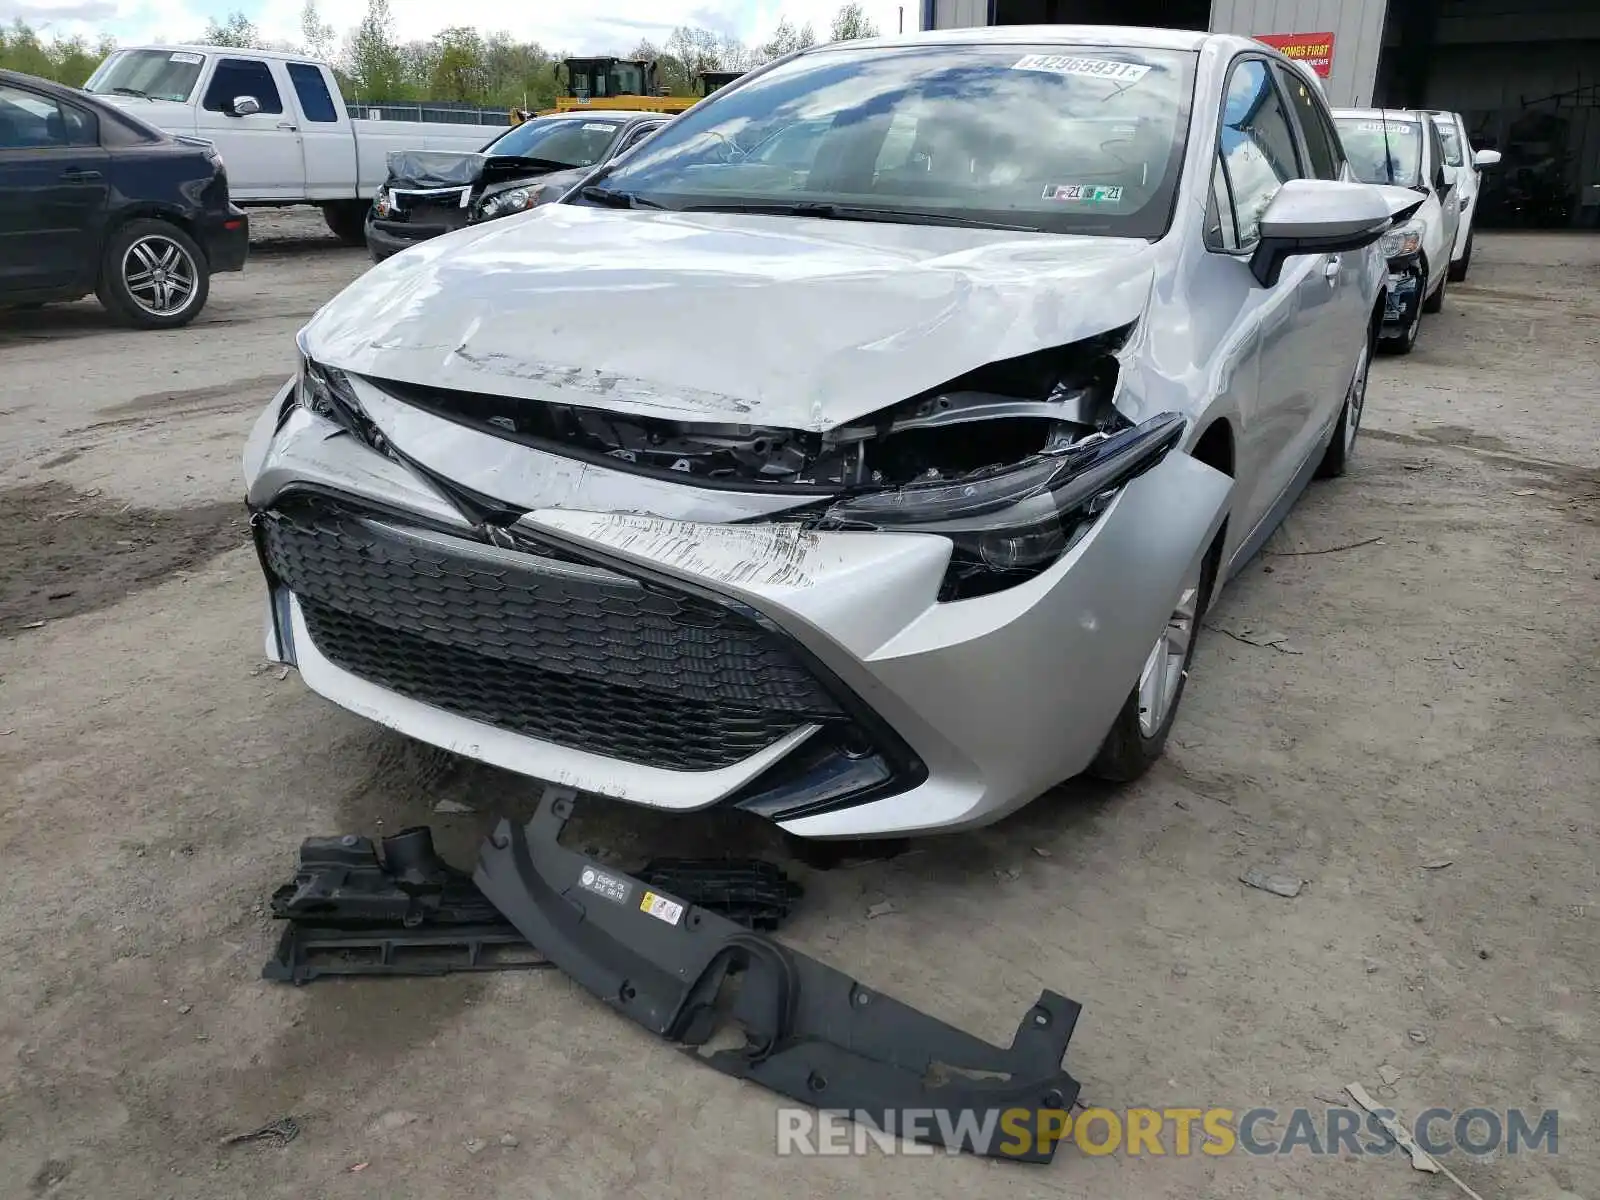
point(1382, 150)
point(1451, 137)
point(1048, 138)
point(568, 142)
point(157, 74)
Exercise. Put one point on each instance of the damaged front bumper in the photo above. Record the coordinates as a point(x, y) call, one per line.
point(809, 1032)
point(1403, 301)
point(691, 658)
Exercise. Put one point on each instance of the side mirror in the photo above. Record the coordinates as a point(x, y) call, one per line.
point(245, 106)
point(1486, 158)
point(1317, 216)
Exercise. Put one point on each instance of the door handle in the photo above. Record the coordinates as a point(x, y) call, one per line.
point(290, 125)
point(79, 175)
point(1330, 269)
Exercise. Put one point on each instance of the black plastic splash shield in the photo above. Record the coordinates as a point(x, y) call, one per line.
point(811, 1033)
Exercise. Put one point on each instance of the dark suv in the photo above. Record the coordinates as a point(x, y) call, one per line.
point(95, 200)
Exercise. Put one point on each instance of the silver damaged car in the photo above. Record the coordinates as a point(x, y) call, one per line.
point(861, 451)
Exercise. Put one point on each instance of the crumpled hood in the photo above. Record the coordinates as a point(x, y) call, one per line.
point(433, 168)
point(801, 323)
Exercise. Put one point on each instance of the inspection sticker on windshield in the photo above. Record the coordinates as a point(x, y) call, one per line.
point(1391, 127)
point(184, 56)
point(1098, 68)
point(1085, 193)
point(661, 908)
point(603, 883)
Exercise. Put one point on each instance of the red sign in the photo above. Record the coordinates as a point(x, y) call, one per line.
point(1313, 49)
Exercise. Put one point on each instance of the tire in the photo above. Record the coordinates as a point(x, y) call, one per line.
point(1435, 302)
point(346, 220)
point(1131, 746)
point(153, 275)
point(1458, 270)
point(1337, 456)
point(1407, 343)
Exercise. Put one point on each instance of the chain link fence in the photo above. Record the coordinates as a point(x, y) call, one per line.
point(437, 112)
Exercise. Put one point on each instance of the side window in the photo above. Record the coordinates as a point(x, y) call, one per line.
point(1256, 146)
point(29, 121)
point(1435, 155)
point(242, 77)
point(637, 136)
point(1222, 231)
point(312, 89)
point(1322, 145)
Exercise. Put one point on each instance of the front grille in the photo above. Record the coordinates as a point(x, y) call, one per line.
point(560, 651)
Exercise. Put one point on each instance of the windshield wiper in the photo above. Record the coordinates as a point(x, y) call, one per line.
point(859, 212)
point(613, 199)
point(128, 91)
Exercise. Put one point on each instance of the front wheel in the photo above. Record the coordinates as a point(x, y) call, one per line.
point(153, 275)
point(1435, 302)
point(346, 220)
point(1139, 734)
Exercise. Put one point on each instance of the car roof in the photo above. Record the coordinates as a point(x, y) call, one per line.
point(1130, 36)
point(240, 51)
point(603, 114)
point(1385, 114)
point(48, 86)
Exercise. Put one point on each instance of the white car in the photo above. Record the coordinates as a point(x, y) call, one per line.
point(278, 119)
point(874, 486)
point(1468, 165)
point(1401, 148)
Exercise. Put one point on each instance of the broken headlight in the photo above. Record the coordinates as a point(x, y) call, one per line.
point(326, 392)
point(1402, 241)
point(1009, 523)
point(503, 204)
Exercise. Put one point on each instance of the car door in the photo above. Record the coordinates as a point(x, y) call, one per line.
point(1340, 313)
point(634, 136)
point(53, 191)
point(1258, 152)
point(325, 139)
point(1439, 178)
point(262, 149)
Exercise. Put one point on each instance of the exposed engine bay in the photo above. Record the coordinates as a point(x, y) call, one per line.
point(994, 416)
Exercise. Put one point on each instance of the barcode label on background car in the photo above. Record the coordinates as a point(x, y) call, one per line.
point(1098, 68)
point(603, 883)
point(661, 908)
point(598, 127)
point(184, 56)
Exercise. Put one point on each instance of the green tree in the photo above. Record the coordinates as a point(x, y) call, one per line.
point(786, 39)
point(238, 30)
point(372, 58)
point(317, 33)
point(851, 22)
point(20, 50)
point(459, 70)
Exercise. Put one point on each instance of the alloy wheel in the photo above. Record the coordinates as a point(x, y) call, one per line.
point(160, 275)
point(1162, 677)
point(1355, 400)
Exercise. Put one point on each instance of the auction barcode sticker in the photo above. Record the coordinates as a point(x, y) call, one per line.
point(603, 883)
point(661, 908)
point(1098, 68)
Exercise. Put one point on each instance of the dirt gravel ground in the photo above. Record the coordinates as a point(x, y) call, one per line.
point(1419, 744)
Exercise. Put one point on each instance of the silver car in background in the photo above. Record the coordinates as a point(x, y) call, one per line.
point(861, 452)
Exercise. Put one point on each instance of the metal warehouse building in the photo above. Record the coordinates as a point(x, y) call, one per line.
point(1524, 73)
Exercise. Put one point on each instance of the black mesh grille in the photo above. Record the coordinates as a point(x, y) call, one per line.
point(558, 651)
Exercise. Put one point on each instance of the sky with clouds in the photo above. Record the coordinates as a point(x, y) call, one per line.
point(576, 26)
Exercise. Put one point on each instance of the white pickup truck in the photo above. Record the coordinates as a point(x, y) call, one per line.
point(279, 121)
